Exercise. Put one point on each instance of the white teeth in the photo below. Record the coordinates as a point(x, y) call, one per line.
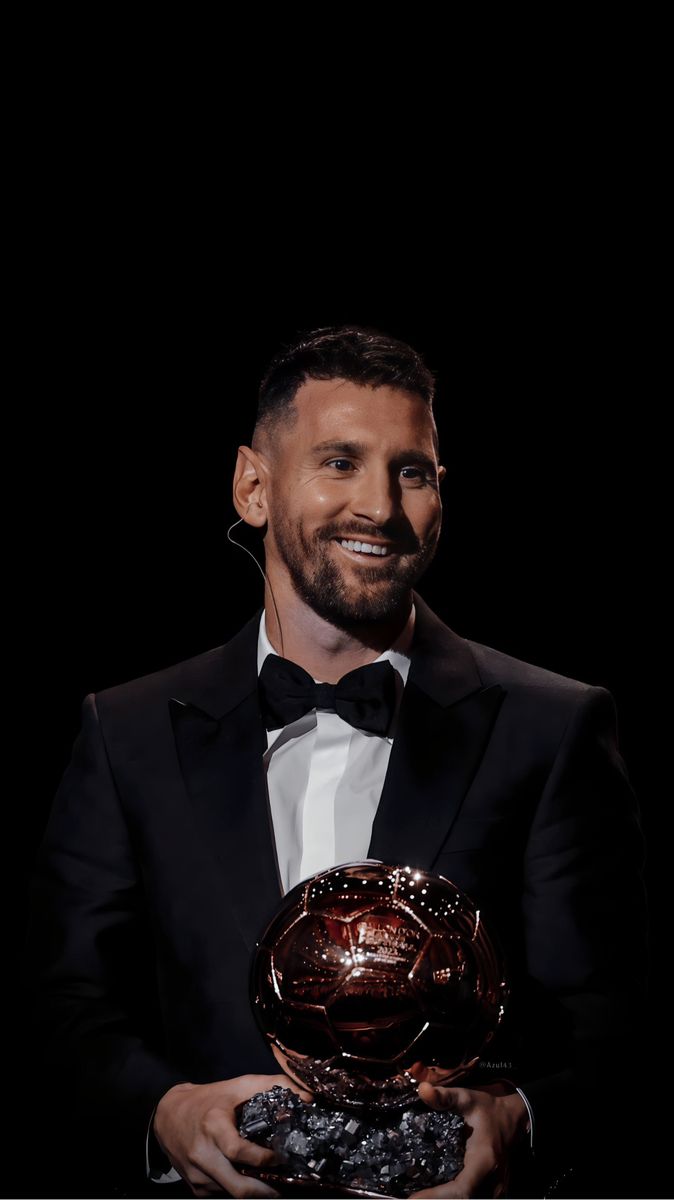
point(365, 548)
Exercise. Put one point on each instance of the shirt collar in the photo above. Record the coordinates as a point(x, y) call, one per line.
point(398, 654)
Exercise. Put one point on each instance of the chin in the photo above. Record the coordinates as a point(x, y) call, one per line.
point(362, 609)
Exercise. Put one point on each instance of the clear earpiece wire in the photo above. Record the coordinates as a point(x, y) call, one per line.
point(260, 569)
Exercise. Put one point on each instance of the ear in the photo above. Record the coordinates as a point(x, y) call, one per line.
point(249, 487)
point(442, 471)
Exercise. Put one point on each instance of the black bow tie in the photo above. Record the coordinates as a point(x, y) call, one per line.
point(365, 697)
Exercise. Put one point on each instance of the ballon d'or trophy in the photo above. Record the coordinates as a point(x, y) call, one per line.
point(369, 979)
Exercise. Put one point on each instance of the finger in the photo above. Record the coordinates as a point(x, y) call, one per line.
point(475, 1171)
point(421, 1073)
point(215, 1174)
point(446, 1191)
point(456, 1099)
point(240, 1150)
point(478, 1158)
point(229, 1142)
point(245, 1086)
point(222, 1133)
point(473, 1180)
point(225, 1128)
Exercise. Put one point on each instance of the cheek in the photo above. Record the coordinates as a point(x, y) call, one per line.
point(425, 515)
point(308, 503)
point(322, 498)
point(308, 511)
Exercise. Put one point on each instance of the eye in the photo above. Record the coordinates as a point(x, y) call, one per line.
point(421, 476)
point(338, 460)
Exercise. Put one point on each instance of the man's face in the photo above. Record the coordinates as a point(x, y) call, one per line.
point(358, 464)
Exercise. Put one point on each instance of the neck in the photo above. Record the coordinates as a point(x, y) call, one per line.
point(326, 651)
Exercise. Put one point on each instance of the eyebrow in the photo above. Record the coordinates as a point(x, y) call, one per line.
point(359, 449)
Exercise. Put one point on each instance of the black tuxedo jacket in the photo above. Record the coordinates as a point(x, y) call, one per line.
point(157, 873)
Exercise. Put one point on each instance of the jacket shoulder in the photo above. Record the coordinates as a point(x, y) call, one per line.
point(146, 691)
point(495, 666)
point(163, 682)
point(214, 681)
point(537, 696)
point(490, 666)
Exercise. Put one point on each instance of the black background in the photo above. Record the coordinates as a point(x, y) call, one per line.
point(543, 553)
point(148, 311)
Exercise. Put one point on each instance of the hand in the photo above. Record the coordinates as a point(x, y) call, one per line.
point(195, 1125)
point(496, 1118)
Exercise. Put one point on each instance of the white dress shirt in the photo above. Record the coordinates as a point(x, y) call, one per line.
point(324, 780)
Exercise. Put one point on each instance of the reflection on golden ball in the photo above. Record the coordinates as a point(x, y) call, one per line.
point(372, 977)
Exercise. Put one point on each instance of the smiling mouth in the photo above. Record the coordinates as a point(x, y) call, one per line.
point(369, 554)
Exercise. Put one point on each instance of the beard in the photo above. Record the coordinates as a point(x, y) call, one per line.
point(333, 591)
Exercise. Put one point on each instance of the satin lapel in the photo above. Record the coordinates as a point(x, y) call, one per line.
point(444, 724)
point(220, 739)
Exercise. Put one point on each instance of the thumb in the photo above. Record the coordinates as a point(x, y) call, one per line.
point(437, 1096)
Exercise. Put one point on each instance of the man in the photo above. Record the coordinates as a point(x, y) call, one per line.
point(197, 796)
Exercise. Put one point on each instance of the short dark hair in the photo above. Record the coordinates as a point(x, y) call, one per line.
point(355, 352)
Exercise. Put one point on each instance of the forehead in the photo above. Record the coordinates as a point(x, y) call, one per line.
point(339, 408)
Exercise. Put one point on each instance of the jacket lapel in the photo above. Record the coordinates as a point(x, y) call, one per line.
point(444, 724)
point(220, 739)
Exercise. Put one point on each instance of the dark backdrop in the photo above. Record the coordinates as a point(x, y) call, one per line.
point(499, 207)
point(149, 373)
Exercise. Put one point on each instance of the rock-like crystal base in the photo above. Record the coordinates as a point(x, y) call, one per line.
point(340, 1152)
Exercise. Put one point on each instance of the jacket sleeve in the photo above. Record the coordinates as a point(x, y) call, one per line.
point(93, 1011)
point(586, 935)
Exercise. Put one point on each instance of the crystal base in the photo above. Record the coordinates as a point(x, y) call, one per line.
point(346, 1153)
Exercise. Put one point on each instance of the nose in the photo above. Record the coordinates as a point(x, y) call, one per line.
point(376, 496)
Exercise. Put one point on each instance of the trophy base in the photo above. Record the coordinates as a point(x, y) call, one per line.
point(327, 1151)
